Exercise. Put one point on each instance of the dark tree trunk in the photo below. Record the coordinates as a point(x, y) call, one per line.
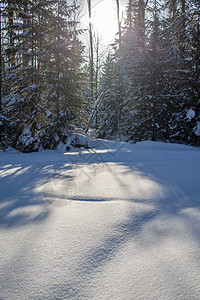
point(119, 25)
point(91, 50)
point(58, 65)
point(0, 64)
point(141, 21)
point(11, 32)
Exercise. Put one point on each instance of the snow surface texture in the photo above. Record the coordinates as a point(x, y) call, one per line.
point(118, 222)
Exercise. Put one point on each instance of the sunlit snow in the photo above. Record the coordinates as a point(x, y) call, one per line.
point(120, 221)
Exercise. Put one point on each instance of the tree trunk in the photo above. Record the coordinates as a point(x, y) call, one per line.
point(0, 64)
point(119, 25)
point(183, 11)
point(91, 51)
point(155, 43)
point(97, 68)
point(173, 8)
point(183, 20)
point(198, 51)
point(97, 78)
point(11, 32)
point(1, 73)
point(141, 21)
point(25, 24)
point(58, 65)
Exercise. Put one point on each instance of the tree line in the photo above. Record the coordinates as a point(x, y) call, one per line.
point(41, 72)
point(152, 78)
point(149, 78)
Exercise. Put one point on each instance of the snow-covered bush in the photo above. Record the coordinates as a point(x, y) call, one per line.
point(26, 142)
point(190, 114)
point(197, 129)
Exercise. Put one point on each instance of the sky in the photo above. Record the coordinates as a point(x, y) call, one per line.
point(104, 18)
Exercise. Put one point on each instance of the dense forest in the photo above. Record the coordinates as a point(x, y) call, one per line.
point(147, 87)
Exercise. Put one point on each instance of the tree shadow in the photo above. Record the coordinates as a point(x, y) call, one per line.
point(21, 190)
point(174, 203)
point(167, 200)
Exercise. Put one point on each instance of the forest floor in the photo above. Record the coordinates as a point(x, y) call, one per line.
point(121, 221)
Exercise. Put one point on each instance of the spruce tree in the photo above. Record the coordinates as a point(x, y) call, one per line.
point(43, 59)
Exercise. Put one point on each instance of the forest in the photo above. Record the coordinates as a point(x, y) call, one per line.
point(146, 86)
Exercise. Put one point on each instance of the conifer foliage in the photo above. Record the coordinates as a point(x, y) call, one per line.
point(150, 79)
point(41, 59)
point(158, 63)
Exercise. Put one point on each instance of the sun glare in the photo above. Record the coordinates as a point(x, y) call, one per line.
point(104, 21)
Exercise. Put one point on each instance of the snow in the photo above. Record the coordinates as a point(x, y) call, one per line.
point(3, 117)
point(175, 49)
point(197, 129)
point(190, 114)
point(30, 88)
point(26, 131)
point(26, 138)
point(11, 99)
point(120, 221)
point(48, 114)
point(84, 140)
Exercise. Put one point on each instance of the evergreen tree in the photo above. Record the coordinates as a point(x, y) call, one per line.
point(159, 64)
point(112, 83)
point(43, 59)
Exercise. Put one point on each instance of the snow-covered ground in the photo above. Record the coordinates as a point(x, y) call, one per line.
point(120, 221)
